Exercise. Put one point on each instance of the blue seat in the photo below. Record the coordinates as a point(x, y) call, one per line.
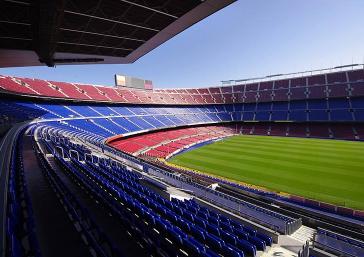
point(267, 239)
point(251, 232)
point(198, 234)
point(279, 115)
point(210, 253)
point(178, 210)
point(189, 216)
point(214, 242)
point(250, 107)
point(227, 227)
point(174, 236)
point(202, 215)
point(264, 106)
point(248, 116)
point(228, 238)
point(193, 247)
point(318, 104)
point(259, 243)
point(171, 216)
point(241, 234)
point(214, 220)
point(225, 219)
point(185, 225)
point(247, 247)
point(200, 222)
point(298, 115)
point(280, 106)
point(16, 248)
point(357, 102)
point(339, 103)
point(192, 210)
point(230, 251)
point(262, 116)
point(236, 225)
point(359, 115)
point(341, 115)
point(213, 230)
point(318, 115)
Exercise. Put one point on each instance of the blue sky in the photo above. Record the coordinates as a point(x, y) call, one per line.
point(248, 38)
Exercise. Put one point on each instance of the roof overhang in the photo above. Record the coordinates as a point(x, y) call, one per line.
point(46, 42)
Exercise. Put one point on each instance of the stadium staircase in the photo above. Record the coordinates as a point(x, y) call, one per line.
point(304, 234)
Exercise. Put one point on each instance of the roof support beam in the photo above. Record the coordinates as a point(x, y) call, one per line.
point(96, 46)
point(16, 38)
point(150, 9)
point(16, 23)
point(110, 20)
point(103, 35)
point(16, 2)
point(48, 16)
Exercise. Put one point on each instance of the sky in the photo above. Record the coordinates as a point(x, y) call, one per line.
point(247, 39)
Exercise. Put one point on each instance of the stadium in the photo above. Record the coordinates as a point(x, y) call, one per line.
point(264, 166)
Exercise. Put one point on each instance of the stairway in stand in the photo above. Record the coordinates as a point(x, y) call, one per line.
point(303, 234)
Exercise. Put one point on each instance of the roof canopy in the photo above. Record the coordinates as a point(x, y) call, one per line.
point(36, 32)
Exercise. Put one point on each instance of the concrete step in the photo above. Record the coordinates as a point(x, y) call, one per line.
point(303, 234)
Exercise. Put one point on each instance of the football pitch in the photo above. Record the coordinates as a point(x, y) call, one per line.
point(326, 170)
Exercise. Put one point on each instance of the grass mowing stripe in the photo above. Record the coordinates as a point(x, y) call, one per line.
point(307, 141)
point(340, 166)
point(269, 165)
point(297, 146)
point(303, 141)
point(337, 180)
point(305, 189)
point(286, 150)
point(271, 173)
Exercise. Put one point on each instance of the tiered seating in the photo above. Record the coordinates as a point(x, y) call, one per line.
point(338, 244)
point(93, 92)
point(281, 88)
point(359, 128)
point(338, 84)
point(164, 143)
point(357, 82)
point(113, 94)
point(298, 88)
point(343, 131)
point(20, 228)
point(332, 85)
point(71, 90)
point(8, 84)
point(319, 130)
point(319, 106)
point(297, 130)
point(187, 226)
point(96, 239)
point(278, 129)
point(276, 220)
point(16, 112)
point(115, 120)
point(43, 87)
point(129, 96)
point(266, 91)
point(316, 86)
point(247, 129)
point(120, 120)
point(261, 129)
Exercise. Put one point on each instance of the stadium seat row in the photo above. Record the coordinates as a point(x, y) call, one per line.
point(337, 84)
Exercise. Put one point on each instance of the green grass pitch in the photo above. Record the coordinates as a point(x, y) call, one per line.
point(326, 170)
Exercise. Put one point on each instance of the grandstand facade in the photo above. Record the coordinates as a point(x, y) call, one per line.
point(108, 144)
